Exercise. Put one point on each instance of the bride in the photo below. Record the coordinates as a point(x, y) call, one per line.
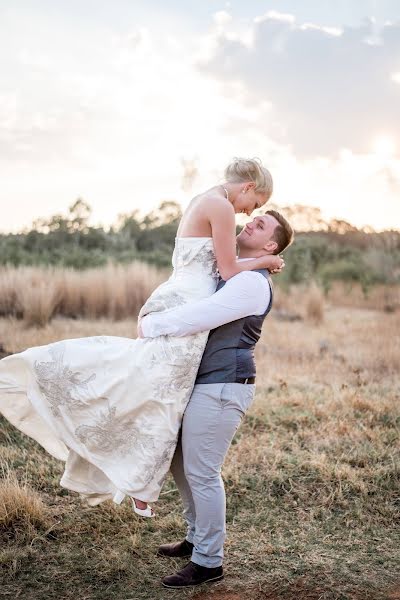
point(111, 407)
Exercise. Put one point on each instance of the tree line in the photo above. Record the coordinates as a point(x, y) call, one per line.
point(323, 250)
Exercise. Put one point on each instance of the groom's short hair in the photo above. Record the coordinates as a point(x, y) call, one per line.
point(283, 233)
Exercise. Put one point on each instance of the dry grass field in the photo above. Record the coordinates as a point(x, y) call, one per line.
point(312, 478)
point(37, 294)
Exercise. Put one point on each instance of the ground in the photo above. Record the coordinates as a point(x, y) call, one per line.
point(312, 481)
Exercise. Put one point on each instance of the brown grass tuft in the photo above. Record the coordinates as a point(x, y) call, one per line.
point(8, 300)
point(37, 295)
point(315, 304)
point(20, 506)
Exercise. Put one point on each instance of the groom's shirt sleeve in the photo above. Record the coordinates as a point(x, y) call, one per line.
point(247, 293)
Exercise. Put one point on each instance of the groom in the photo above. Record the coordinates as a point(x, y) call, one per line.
point(223, 392)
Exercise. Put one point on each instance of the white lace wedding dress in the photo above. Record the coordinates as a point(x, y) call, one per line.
point(111, 406)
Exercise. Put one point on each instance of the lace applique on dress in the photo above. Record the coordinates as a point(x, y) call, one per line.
point(57, 381)
point(112, 436)
point(206, 258)
point(161, 460)
point(161, 302)
point(185, 360)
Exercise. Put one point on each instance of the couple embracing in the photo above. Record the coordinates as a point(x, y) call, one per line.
point(122, 412)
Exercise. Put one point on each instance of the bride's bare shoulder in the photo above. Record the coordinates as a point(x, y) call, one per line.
point(212, 199)
point(203, 210)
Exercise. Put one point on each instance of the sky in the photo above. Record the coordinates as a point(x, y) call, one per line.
point(126, 104)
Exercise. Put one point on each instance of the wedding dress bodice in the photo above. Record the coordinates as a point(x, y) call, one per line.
point(194, 275)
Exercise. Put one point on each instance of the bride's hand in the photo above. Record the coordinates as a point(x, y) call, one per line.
point(274, 263)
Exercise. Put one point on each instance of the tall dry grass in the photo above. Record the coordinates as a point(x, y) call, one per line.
point(38, 294)
point(22, 510)
point(377, 297)
point(8, 294)
point(37, 297)
point(294, 299)
point(117, 292)
point(314, 300)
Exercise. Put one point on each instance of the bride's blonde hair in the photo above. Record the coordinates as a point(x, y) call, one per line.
point(250, 169)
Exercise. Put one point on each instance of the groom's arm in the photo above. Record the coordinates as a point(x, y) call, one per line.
point(244, 294)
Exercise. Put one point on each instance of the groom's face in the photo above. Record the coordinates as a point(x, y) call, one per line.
point(257, 234)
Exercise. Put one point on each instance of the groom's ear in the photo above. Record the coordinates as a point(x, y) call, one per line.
point(271, 246)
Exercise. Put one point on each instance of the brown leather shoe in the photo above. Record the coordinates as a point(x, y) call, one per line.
point(193, 574)
point(178, 549)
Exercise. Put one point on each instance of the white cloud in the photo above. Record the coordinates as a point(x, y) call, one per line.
point(222, 17)
point(273, 15)
point(328, 88)
point(336, 31)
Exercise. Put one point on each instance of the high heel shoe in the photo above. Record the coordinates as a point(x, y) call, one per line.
point(143, 512)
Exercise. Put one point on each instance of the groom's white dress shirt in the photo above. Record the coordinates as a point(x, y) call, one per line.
point(247, 293)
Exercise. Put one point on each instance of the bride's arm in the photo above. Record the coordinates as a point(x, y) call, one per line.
point(223, 227)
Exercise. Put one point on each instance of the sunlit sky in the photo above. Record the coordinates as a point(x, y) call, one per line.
point(108, 100)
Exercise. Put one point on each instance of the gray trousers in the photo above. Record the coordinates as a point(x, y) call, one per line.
point(211, 418)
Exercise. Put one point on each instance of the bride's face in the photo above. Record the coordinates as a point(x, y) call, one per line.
point(248, 200)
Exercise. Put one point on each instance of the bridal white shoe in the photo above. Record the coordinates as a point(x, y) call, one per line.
point(143, 512)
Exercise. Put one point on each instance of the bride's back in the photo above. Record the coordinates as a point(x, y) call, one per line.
point(195, 221)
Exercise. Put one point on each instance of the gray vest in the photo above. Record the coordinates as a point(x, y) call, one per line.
point(229, 353)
